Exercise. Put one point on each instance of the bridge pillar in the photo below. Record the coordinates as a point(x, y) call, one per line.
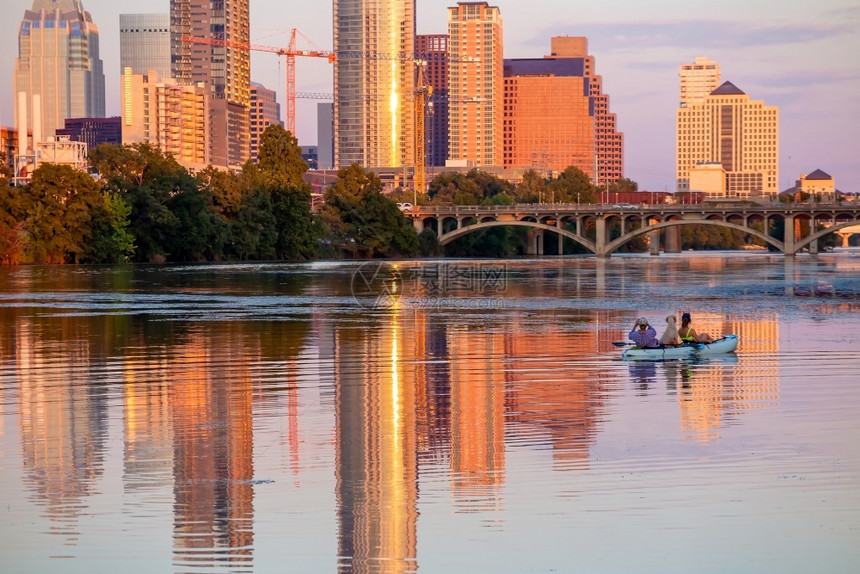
point(654, 242)
point(672, 241)
point(534, 242)
point(600, 237)
point(789, 248)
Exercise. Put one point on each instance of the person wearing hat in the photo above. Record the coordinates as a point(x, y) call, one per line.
point(645, 336)
point(689, 334)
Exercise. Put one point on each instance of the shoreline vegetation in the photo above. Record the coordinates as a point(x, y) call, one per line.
point(146, 208)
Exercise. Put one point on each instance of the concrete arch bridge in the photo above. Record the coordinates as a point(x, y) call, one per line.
point(588, 225)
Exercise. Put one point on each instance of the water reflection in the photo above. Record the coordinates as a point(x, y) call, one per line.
point(215, 386)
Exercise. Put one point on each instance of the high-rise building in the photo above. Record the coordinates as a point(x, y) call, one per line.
point(433, 49)
point(225, 70)
point(325, 135)
point(729, 128)
point(265, 110)
point(557, 116)
point(58, 72)
point(167, 115)
point(374, 82)
point(475, 84)
point(698, 80)
point(144, 43)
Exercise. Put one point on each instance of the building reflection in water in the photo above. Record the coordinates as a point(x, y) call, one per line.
point(721, 388)
point(210, 405)
point(375, 458)
point(413, 392)
point(63, 426)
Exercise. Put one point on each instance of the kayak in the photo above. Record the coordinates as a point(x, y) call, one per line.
point(660, 354)
point(726, 344)
point(720, 346)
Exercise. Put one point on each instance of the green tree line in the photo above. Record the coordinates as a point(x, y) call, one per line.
point(145, 207)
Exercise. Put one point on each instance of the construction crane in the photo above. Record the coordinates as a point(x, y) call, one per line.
point(423, 93)
point(290, 52)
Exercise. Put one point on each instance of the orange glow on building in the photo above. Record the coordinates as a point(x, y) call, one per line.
point(475, 84)
point(556, 114)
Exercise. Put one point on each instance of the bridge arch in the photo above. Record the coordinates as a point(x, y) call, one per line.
point(619, 241)
point(806, 241)
point(447, 238)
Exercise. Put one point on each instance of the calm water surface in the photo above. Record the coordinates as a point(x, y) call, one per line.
point(441, 416)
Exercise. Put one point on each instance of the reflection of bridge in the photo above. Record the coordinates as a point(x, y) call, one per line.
point(592, 225)
point(847, 232)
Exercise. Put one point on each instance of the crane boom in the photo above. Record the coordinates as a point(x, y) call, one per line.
point(290, 53)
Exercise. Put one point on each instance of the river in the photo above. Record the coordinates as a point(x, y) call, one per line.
point(433, 416)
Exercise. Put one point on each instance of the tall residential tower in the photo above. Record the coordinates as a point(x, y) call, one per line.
point(374, 82)
point(224, 69)
point(475, 84)
point(58, 72)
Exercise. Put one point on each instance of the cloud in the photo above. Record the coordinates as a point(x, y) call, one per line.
point(699, 35)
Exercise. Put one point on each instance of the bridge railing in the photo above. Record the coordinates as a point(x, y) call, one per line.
point(644, 208)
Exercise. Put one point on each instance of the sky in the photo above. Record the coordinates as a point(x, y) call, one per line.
point(800, 56)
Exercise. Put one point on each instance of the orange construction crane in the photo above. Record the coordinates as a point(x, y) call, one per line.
point(423, 92)
point(290, 54)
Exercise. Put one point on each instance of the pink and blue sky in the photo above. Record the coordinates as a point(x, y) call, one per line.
point(797, 55)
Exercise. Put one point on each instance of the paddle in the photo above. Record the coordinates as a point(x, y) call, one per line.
point(621, 343)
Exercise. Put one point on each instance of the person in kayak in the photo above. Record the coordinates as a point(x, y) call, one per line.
point(688, 334)
point(645, 336)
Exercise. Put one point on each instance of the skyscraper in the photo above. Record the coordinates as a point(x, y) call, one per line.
point(58, 69)
point(698, 80)
point(475, 84)
point(739, 134)
point(433, 48)
point(144, 43)
point(265, 110)
point(225, 70)
point(374, 82)
point(556, 114)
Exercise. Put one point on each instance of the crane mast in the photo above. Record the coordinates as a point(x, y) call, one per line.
point(422, 95)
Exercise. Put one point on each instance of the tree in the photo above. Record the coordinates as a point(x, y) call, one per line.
point(199, 234)
point(58, 203)
point(11, 221)
point(111, 240)
point(532, 188)
point(280, 158)
point(146, 178)
point(572, 186)
point(624, 185)
point(280, 172)
point(361, 219)
point(254, 231)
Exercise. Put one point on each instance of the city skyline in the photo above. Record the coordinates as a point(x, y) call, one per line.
point(793, 60)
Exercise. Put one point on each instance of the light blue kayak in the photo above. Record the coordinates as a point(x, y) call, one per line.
point(720, 346)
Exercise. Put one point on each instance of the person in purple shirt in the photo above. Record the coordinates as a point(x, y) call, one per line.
point(645, 336)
